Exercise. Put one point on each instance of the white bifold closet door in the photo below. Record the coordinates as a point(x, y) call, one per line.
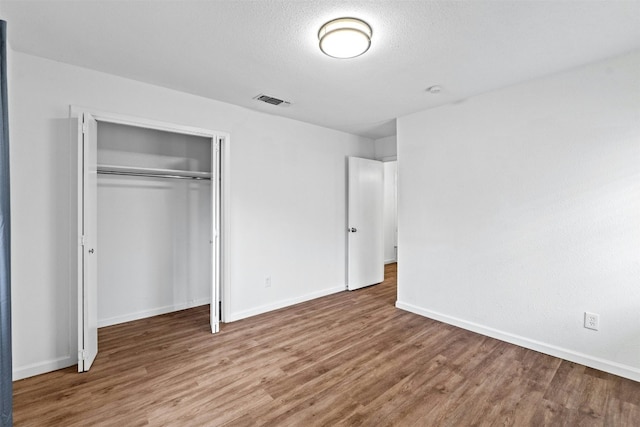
point(365, 250)
point(87, 256)
point(215, 234)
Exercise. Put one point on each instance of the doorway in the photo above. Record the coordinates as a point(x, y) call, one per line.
point(365, 250)
point(390, 211)
point(152, 192)
point(372, 220)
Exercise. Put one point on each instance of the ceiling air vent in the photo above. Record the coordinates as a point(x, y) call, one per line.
point(271, 100)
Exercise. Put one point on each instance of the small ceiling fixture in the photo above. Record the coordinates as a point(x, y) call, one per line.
point(434, 89)
point(345, 38)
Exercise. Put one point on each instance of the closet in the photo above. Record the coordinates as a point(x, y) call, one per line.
point(149, 218)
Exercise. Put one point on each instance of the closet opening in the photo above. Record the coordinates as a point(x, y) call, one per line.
point(150, 198)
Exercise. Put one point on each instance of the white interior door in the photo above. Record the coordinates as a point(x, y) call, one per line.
point(87, 232)
point(215, 230)
point(365, 251)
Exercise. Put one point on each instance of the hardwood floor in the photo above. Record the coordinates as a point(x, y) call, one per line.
point(347, 359)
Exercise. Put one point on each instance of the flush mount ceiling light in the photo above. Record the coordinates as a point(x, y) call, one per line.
point(345, 38)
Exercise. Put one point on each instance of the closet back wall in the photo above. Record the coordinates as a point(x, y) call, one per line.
point(153, 233)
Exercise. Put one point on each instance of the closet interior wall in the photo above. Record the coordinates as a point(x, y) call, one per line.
point(153, 233)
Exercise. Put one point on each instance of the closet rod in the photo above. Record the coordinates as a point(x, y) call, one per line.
point(152, 175)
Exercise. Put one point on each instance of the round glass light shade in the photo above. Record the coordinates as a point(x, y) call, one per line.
point(345, 38)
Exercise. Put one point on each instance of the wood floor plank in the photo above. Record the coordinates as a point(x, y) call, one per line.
point(347, 359)
point(621, 413)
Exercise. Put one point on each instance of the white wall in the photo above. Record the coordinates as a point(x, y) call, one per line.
point(287, 200)
point(153, 233)
point(519, 210)
point(386, 148)
point(390, 214)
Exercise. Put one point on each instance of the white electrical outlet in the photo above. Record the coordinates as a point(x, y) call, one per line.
point(267, 282)
point(591, 320)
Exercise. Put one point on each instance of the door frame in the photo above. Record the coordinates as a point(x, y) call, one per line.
point(223, 259)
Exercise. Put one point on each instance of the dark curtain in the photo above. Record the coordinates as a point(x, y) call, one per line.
point(6, 376)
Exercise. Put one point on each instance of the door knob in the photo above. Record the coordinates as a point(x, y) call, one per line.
point(91, 250)
point(353, 229)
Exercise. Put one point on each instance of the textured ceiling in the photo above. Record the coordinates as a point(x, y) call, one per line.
point(234, 50)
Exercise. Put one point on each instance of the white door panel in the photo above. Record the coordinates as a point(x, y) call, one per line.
point(365, 223)
point(87, 254)
point(215, 239)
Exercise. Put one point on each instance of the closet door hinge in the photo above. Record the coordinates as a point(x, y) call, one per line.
point(83, 240)
point(84, 128)
point(81, 355)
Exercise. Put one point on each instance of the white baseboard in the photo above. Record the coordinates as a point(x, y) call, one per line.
point(281, 304)
point(152, 312)
point(390, 261)
point(43, 367)
point(552, 350)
